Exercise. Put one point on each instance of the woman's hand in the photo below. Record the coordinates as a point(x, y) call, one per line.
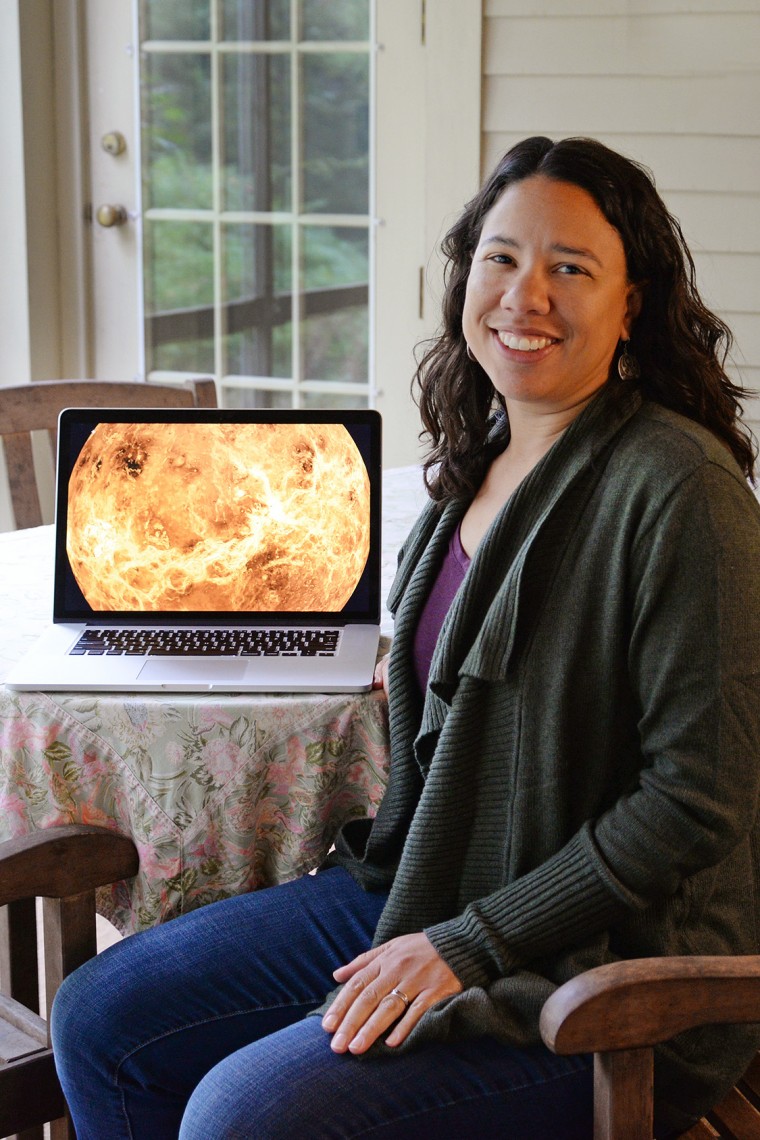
point(367, 1005)
point(380, 679)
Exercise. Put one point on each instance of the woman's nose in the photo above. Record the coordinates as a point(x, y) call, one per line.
point(528, 291)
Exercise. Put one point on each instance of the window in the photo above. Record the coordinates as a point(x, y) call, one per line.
point(258, 230)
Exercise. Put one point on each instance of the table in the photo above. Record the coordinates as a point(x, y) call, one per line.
point(221, 794)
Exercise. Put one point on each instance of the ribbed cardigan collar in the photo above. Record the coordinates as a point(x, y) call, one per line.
point(480, 632)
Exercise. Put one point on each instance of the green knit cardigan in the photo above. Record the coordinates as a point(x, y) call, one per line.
point(580, 781)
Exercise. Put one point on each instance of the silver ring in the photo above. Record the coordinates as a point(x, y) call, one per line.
point(400, 994)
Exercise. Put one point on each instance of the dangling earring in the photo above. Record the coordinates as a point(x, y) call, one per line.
point(471, 355)
point(627, 365)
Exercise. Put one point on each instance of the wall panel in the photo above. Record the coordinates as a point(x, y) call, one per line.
point(671, 45)
point(589, 104)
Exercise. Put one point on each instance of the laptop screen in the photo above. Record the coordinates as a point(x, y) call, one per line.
point(208, 516)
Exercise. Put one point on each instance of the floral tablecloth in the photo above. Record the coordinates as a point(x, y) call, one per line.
point(221, 794)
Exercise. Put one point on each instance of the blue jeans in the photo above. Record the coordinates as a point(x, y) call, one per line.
point(198, 1029)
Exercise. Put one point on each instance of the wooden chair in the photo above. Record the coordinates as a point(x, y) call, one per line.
point(35, 407)
point(620, 1011)
point(63, 866)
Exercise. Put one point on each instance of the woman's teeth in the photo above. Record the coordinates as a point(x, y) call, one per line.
point(524, 343)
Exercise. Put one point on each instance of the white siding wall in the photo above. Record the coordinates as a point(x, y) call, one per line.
point(674, 84)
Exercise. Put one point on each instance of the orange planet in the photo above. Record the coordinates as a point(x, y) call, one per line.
point(218, 517)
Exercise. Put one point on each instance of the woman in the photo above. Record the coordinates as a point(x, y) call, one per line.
point(574, 721)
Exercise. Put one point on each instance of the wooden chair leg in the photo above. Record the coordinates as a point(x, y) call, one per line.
point(623, 1091)
point(18, 953)
point(70, 938)
point(62, 1129)
point(18, 968)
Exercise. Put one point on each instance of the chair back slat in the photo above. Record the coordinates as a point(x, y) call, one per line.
point(19, 462)
point(702, 1130)
point(752, 1076)
point(735, 1118)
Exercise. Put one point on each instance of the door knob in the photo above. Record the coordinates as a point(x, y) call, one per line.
point(111, 216)
point(114, 142)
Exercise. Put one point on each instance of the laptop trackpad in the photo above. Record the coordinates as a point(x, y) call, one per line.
point(192, 671)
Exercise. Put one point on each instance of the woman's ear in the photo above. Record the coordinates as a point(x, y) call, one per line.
point(634, 302)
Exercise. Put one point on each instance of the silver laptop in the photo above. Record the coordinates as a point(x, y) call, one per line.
point(202, 549)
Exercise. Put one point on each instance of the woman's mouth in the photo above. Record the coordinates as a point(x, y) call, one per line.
point(524, 343)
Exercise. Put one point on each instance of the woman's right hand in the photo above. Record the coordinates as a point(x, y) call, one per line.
point(380, 679)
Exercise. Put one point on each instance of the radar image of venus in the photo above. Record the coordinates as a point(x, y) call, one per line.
point(271, 517)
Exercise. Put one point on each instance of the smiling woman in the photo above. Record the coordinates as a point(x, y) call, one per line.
point(574, 728)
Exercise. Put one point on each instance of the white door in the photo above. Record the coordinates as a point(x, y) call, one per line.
point(113, 144)
point(284, 252)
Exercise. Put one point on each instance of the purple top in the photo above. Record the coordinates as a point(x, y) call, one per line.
point(441, 596)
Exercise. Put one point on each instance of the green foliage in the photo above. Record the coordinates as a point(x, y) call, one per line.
point(175, 19)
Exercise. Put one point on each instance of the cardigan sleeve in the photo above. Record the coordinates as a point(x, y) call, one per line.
point(695, 666)
point(694, 670)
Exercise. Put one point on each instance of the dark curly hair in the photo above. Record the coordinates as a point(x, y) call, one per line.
point(680, 345)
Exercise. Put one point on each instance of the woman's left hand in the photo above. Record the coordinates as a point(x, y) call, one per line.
point(367, 1005)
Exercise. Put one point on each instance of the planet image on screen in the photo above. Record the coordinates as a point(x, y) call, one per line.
point(218, 517)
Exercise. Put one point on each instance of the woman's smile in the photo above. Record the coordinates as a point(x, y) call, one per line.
point(525, 344)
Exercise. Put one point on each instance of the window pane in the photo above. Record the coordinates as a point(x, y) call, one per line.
point(333, 20)
point(335, 332)
point(328, 400)
point(258, 300)
point(175, 19)
point(256, 398)
point(255, 20)
point(176, 99)
point(336, 133)
point(257, 168)
point(179, 316)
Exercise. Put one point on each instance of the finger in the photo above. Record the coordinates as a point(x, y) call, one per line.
point(407, 1023)
point(353, 991)
point(358, 1033)
point(351, 1020)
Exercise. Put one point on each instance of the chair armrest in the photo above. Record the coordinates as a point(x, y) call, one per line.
point(639, 1003)
point(59, 862)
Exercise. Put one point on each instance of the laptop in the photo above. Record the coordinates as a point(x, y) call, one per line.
point(205, 549)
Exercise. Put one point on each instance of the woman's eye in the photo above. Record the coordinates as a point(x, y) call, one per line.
point(573, 270)
point(502, 259)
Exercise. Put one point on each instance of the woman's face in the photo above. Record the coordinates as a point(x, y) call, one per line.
point(548, 296)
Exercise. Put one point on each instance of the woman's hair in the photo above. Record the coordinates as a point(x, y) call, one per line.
point(681, 347)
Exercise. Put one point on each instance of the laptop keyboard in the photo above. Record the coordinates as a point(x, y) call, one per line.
point(208, 642)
